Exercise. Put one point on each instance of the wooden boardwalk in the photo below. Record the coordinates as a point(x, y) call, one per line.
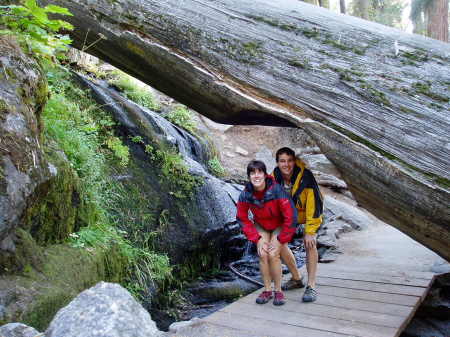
point(352, 302)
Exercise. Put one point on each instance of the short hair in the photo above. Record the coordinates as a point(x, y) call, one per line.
point(284, 150)
point(256, 165)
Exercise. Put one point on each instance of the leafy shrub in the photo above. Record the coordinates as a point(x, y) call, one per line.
point(32, 27)
point(134, 91)
point(181, 116)
point(176, 174)
point(215, 167)
point(120, 151)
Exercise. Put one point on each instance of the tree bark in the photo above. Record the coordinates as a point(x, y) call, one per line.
point(437, 23)
point(381, 117)
point(342, 6)
point(361, 9)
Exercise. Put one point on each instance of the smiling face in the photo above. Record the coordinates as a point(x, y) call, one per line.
point(258, 179)
point(286, 165)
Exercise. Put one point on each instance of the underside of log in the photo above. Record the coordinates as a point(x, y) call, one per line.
point(375, 99)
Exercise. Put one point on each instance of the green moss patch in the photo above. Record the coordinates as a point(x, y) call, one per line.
point(424, 88)
point(64, 274)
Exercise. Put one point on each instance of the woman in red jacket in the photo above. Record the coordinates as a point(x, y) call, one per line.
point(273, 225)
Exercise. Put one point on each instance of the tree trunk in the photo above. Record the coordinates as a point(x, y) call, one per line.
point(381, 118)
point(437, 25)
point(361, 9)
point(342, 6)
point(325, 4)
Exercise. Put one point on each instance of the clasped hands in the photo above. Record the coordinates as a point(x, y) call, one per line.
point(268, 246)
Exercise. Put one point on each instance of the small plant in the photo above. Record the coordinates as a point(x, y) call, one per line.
point(120, 151)
point(135, 91)
point(181, 116)
point(215, 167)
point(172, 166)
point(34, 30)
point(137, 139)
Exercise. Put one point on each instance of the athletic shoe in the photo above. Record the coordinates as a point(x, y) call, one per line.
point(279, 298)
point(264, 297)
point(310, 295)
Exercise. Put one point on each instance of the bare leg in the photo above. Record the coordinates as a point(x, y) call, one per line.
point(289, 259)
point(275, 266)
point(264, 266)
point(312, 258)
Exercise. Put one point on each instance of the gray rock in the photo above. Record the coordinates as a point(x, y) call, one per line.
point(423, 328)
point(105, 310)
point(330, 181)
point(440, 267)
point(328, 256)
point(23, 167)
point(18, 330)
point(320, 163)
point(177, 326)
point(216, 199)
point(352, 215)
point(265, 155)
point(328, 240)
point(241, 151)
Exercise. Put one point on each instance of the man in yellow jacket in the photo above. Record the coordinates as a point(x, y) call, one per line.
point(301, 185)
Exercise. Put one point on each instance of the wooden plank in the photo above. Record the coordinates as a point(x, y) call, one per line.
point(369, 295)
point(381, 278)
point(370, 271)
point(318, 309)
point(413, 311)
point(357, 304)
point(348, 327)
point(372, 286)
point(269, 327)
point(203, 328)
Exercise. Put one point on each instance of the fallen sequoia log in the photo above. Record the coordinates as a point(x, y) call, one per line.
point(375, 99)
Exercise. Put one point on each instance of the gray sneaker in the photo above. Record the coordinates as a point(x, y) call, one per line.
point(310, 295)
point(293, 284)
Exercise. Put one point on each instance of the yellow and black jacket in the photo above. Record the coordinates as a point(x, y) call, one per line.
point(306, 196)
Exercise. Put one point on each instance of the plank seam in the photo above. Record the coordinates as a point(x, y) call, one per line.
point(305, 327)
point(345, 319)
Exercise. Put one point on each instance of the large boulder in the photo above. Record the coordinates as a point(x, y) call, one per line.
point(105, 310)
point(18, 330)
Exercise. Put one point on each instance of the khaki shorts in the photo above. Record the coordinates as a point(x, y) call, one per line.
point(260, 229)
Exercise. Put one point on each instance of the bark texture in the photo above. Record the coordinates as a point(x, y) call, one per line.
point(437, 14)
point(374, 98)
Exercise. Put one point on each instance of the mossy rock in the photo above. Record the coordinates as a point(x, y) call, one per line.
point(64, 272)
point(27, 254)
point(56, 209)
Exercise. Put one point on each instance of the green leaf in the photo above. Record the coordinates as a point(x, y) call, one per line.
point(20, 10)
point(65, 39)
point(31, 4)
point(57, 10)
point(65, 25)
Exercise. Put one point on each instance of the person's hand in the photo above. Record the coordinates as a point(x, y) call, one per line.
point(274, 244)
point(263, 246)
point(310, 241)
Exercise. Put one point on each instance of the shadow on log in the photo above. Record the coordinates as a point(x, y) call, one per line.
point(375, 99)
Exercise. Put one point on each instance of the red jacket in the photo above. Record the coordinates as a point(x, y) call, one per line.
point(276, 209)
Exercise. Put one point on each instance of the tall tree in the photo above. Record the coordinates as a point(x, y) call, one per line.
point(361, 9)
point(342, 6)
point(430, 18)
point(387, 12)
point(437, 25)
